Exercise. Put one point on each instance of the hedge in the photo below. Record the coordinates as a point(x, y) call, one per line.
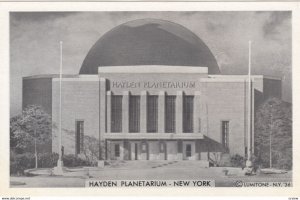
point(21, 162)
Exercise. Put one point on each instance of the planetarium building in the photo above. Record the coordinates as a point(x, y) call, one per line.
point(152, 90)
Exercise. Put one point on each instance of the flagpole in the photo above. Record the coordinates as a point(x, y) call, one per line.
point(249, 153)
point(60, 80)
point(207, 128)
point(59, 169)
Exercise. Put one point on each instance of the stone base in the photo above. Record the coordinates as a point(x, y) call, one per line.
point(248, 163)
point(59, 169)
point(247, 171)
point(100, 163)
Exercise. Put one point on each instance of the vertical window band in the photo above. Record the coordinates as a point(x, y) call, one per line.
point(152, 113)
point(188, 114)
point(170, 103)
point(225, 133)
point(116, 114)
point(79, 136)
point(134, 114)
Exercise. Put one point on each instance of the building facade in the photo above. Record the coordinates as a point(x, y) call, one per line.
point(153, 108)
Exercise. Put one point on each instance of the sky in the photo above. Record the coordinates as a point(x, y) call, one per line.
point(35, 36)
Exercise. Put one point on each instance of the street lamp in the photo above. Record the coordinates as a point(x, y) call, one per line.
point(271, 131)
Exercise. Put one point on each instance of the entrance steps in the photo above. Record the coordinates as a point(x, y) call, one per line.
point(140, 164)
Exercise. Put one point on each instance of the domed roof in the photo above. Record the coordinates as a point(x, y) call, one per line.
point(149, 42)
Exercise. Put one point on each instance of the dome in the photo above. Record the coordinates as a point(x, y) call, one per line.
point(149, 42)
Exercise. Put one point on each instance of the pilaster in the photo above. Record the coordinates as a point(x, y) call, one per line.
point(125, 113)
point(161, 113)
point(143, 108)
point(179, 110)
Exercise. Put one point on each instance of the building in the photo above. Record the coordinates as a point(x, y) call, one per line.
point(152, 90)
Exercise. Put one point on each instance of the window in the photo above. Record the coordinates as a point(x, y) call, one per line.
point(117, 150)
point(134, 114)
point(79, 137)
point(188, 150)
point(116, 113)
point(152, 113)
point(188, 114)
point(225, 132)
point(170, 103)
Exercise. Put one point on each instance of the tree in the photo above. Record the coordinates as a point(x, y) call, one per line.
point(91, 148)
point(16, 143)
point(30, 128)
point(273, 134)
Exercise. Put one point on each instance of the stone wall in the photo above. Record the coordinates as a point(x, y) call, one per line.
point(80, 101)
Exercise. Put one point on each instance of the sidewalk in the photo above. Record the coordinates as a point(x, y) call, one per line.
point(145, 170)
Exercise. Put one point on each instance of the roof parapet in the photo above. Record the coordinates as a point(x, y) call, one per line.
point(153, 69)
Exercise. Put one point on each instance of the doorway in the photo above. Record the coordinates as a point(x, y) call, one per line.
point(189, 151)
point(134, 150)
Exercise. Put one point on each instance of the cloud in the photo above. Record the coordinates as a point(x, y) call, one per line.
point(35, 36)
point(272, 25)
point(39, 16)
point(215, 26)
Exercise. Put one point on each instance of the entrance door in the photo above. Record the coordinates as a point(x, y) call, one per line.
point(189, 151)
point(162, 150)
point(134, 150)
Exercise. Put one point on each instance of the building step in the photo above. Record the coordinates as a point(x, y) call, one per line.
point(138, 164)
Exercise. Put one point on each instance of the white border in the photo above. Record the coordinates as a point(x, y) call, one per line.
point(6, 7)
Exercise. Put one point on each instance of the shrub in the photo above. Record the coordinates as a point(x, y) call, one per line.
point(71, 160)
point(90, 149)
point(216, 158)
point(47, 160)
point(237, 161)
point(20, 162)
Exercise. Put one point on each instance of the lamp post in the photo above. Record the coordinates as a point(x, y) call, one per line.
point(35, 149)
point(271, 131)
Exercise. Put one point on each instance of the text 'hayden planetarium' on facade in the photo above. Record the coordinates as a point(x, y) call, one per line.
point(151, 90)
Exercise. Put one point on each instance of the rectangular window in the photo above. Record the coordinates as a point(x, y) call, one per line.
point(117, 150)
point(188, 114)
point(170, 103)
point(225, 133)
point(116, 113)
point(134, 114)
point(152, 113)
point(188, 150)
point(79, 137)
